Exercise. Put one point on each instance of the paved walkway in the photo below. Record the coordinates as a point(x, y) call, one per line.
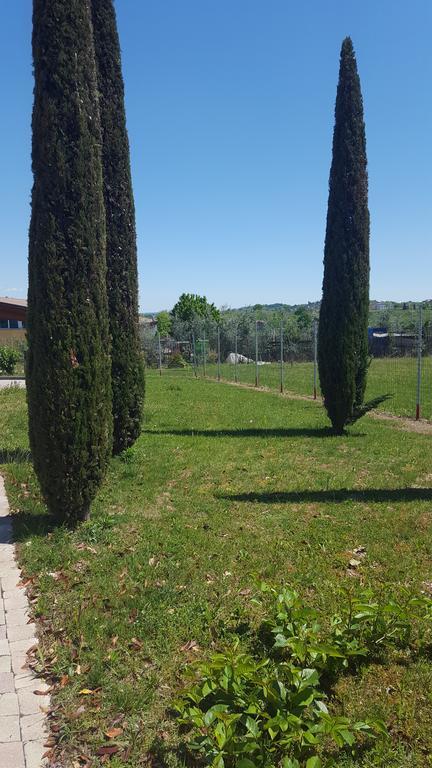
point(22, 719)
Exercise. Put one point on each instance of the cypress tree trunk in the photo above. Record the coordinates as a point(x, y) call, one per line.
point(122, 277)
point(343, 324)
point(69, 369)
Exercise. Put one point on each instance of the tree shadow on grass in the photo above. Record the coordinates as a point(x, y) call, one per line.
point(28, 525)
point(253, 432)
point(337, 495)
point(15, 455)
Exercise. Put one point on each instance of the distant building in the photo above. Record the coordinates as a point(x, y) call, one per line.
point(13, 318)
point(148, 325)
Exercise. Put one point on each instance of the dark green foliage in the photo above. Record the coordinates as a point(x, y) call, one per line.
point(122, 277)
point(9, 356)
point(68, 364)
point(343, 342)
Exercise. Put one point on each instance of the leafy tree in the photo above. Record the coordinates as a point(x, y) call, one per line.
point(122, 274)
point(304, 318)
point(191, 305)
point(164, 323)
point(68, 364)
point(343, 324)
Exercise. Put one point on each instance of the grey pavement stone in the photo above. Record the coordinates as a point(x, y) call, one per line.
point(7, 560)
point(24, 679)
point(16, 603)
point(34, 751)
point(6, 682)
point(9, 728)
point(5, 664)
point(23, 722)
point(18, 617)
point(9, 704)
point(20, 632)
point(10, 581)
point(14, 598)
point(29, 704)
point(17, 646)
point(33, 727)
point(19, 663)
point(12, 755)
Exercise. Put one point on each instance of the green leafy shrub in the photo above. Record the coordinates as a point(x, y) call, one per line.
point(269, 707)
point(365, 626)
point(177, 361)
point(9, 357)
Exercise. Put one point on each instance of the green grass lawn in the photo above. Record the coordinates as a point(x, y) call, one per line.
point(395, 376)
point(225, 485)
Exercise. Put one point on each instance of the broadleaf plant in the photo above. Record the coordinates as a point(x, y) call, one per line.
point(272, 707)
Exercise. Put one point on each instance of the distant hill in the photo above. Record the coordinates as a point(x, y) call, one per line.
point(313, 306)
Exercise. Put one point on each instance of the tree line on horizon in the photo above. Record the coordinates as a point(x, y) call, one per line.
point(85, 370)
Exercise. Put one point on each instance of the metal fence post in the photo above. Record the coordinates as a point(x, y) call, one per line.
point(256, 355)
point(281, 358)
point(204, 354)
point(315, 334)
point(235, 356)
point(160, 354)
point(419, 361)
point(218, 355)
point(194, 355)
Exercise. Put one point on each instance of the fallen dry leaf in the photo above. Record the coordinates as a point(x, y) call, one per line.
point(113, 733)
point(135, 644)
point(191, 645)
point(111, 749)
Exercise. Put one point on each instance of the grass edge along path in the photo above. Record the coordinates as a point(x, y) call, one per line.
point(224, 487)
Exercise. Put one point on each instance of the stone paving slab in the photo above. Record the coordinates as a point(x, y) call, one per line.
point(12, 755)
point(10, 728)
point(5, 664)
point(23, 722)
point(9, 704)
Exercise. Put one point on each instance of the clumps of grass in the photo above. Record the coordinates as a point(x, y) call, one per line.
point(270, 704)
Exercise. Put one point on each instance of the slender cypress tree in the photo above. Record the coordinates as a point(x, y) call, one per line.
point(69, 368)
point(122, 277)
point(343, 323)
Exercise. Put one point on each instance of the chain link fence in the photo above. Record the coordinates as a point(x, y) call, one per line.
point(255, 351)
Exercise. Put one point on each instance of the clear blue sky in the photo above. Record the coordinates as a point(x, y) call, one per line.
point(230, 114)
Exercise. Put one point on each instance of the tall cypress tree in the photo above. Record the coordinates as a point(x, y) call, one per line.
point(69, 369)
point(343, 323)
point(122, 277)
